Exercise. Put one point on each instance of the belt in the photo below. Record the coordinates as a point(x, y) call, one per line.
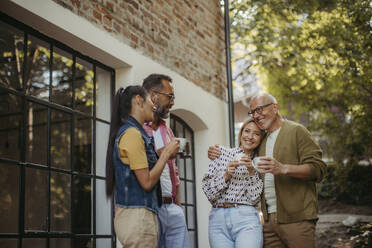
point(167, 200)
point(229, 205)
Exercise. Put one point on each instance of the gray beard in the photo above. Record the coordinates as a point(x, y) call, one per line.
point(161, 112)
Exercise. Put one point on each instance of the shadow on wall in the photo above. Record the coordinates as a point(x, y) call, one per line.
point(191, 119)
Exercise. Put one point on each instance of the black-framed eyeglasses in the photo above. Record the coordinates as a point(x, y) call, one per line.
point(171, 96)
point(259, 109)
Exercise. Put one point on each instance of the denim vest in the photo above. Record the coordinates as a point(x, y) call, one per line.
point(128, 191)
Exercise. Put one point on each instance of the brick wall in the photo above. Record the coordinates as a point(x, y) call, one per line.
point(186, 36)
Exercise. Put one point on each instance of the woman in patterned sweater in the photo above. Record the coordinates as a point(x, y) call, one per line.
point(233, 187)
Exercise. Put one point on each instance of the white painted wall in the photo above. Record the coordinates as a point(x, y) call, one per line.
point(206, 114)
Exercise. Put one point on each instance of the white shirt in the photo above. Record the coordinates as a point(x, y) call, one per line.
point(165, 180)
point(269, 185)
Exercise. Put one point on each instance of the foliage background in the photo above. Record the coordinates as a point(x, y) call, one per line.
point(315, 58)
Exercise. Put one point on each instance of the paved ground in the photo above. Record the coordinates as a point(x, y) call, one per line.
point(336, 219)
point(331, 233)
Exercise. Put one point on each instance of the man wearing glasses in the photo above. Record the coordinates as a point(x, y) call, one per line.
point(292, 165)
point(172, 224)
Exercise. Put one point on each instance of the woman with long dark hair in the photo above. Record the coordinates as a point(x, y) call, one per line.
point(133, 168)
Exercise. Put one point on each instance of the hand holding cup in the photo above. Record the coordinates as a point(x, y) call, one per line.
point(257, 162)
point(269, 165)
point(171, 148)
point(184, 144)
point(247, 162)
point(230, 169)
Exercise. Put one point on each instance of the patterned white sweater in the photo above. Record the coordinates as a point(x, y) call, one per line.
point(241, 188)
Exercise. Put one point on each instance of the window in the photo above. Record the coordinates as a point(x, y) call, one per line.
point(186, 169)
point(54, 126)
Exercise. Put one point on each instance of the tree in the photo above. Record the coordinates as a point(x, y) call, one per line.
point(315, 57)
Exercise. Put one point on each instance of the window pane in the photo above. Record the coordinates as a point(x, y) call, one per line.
point(11, 52)
point(83, 144)
point(103, 243)
point(33, 243)
point(186, 171)
point(62, 77)
point(182, 191)
point(8, 243)
point(181, 166)
point(83, 243)
point(36, 199)
point(37, 133)
point(171, 123)
point(188, 136)
point(60, 139)
point(10, 125)
point(192, 239)
point(190, 192)
point(189, 169)
point(84, 86)
point(103, 93)
point(179, 130)
point(102, 136)
point(60, 202)
point(9, 195)
point(60, 243)
point(103, 209)
point(190, 217)
point(37, 72)
point(82, 205)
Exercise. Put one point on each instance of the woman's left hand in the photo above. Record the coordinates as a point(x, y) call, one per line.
point(247, 162)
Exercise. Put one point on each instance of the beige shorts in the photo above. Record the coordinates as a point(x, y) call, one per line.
point(136, 227)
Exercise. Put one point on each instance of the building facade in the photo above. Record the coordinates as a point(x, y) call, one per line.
point(61, 62)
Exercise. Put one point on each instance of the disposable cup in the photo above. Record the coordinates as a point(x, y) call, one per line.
point(255, 162)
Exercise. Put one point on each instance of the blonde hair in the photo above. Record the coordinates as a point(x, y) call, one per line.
point(249, 120)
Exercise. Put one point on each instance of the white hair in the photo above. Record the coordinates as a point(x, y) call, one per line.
point(267, 96)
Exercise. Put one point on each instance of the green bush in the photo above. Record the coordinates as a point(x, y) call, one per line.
point(350, 184)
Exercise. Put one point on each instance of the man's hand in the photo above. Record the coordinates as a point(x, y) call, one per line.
point(271, 165)
point(230, 169)
point(214, 152)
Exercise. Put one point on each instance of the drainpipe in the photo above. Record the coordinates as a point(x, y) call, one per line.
point(228, 72)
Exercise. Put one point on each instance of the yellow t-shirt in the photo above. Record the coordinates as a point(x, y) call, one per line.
point(132, 149)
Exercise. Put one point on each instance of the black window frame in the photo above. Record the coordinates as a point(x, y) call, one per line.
point(22, 164)
point(185, 127)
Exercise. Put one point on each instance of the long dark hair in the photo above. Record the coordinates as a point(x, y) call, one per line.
point(121, 108)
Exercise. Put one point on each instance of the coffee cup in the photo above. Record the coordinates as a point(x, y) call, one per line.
point(255, 162)
point(184, 144)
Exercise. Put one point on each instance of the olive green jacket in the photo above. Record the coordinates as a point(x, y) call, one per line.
point(296, 199)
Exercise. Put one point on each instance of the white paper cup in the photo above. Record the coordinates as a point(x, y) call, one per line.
point(255, 162)
point(183, 142)
point(184, 150)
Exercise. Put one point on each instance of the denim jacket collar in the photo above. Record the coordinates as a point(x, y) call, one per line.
point(130, 119)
